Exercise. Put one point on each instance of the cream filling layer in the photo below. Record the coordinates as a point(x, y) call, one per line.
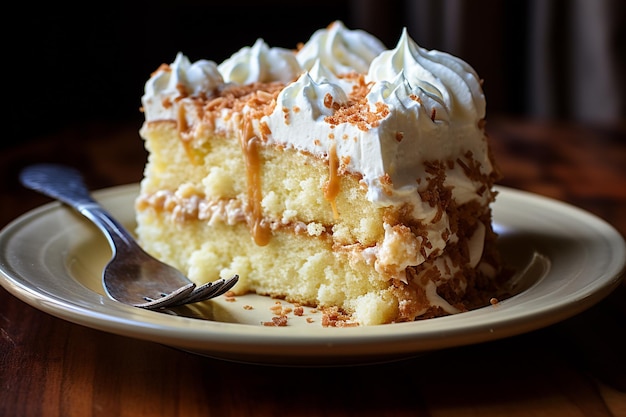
point(398, 250)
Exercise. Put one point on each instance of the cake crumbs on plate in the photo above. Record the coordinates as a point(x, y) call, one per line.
point(333, 317)
point(277, 321)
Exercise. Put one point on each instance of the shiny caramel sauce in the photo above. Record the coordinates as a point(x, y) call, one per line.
point(332, 186)
point(185, 135)
point(261, 232)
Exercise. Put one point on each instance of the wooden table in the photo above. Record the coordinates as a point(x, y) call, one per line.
point(49, 367)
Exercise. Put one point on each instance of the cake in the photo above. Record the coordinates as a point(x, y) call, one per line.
point(339, 175)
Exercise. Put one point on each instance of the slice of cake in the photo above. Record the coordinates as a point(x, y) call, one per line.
point(340, 175)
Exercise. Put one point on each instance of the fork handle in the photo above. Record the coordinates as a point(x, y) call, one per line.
point(66, 184)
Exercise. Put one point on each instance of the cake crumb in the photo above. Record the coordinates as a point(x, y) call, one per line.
point(333, 317)
point(280, 310)
point(248, 307)
point(277, 321)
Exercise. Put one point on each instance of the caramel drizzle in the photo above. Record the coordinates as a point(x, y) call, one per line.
point(250, 146)
point(185, 136)
point(332, 186)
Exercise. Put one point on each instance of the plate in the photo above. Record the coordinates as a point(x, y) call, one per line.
point(567, 260)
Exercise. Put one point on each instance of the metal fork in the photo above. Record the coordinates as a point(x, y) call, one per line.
point(132, 276)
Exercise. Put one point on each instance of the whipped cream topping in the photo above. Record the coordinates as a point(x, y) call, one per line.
point(340, 50)
point(304, 99)
point(422, 106)
point(438, 73)
point(260, 63)
point(179, 79)
point(319, 73)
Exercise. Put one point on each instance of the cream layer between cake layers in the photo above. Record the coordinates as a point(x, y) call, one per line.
point(340, 175)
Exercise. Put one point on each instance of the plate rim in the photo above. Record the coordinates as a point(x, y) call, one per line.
point(226, 341)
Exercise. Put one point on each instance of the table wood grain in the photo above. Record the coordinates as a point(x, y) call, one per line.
point(50, 367)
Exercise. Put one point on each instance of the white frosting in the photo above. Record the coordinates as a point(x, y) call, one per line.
point(303, 100)
point(439, 73)
point(340, 50)
point(422, 106)
point(179, 79)
point(319, 73)
point(260, 63)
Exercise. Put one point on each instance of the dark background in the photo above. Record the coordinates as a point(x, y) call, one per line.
point(70, 65)
point(74, 65)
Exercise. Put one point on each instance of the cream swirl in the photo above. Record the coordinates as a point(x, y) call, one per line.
point(308, 100)
point(447, 76)
point(319, 73)
point(412, 101)
point(260, 63)
point(340, 50)
point(180, 78)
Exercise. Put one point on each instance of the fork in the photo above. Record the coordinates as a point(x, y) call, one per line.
point(131, 276)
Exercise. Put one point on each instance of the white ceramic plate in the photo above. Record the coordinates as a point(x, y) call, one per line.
point(568, 259)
